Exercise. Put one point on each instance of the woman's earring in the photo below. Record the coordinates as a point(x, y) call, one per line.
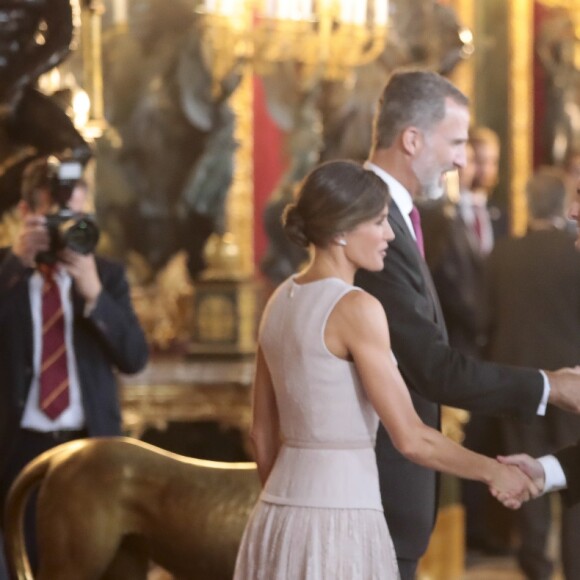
point(341, 242)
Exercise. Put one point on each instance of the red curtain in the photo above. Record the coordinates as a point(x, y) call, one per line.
point(269, 164)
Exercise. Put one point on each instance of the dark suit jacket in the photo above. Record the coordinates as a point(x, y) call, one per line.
point(533, 287)
point(109, 339)
point(534, 302)
point(435, 374)
point(456, 265)
point(569, 459)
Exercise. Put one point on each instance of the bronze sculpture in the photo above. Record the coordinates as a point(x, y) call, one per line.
point(35, 36)
point(166, 163)
point(108, 506)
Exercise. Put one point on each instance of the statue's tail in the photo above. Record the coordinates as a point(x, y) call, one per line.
point(28, 479)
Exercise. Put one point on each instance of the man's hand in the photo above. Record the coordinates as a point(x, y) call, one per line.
point(565, 389)
point(32, 238)
point(83, 271)
point(512, 486)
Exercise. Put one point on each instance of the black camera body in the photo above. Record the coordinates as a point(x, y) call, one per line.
point(66, 228)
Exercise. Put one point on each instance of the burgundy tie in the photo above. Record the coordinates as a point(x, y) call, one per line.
point(54, 381)
point(416, 222)
point(477, 226)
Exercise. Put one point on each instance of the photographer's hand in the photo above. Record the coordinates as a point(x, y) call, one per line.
point(32, 238)
point(83, 270)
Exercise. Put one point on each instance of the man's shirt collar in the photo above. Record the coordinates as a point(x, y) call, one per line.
point(399, 193)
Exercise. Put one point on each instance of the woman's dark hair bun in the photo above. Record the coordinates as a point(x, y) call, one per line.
point(294, 225)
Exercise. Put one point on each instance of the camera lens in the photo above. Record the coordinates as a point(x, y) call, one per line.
point(82, 236)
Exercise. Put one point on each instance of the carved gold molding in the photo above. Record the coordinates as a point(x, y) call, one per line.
point(573, 6)
point(240, 205)
point(520, 103)
point(463, 75)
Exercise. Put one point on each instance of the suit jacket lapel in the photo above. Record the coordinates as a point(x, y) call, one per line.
point(22, 307)
point(401, 229)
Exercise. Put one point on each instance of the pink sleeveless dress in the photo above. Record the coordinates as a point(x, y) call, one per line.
point(319, 516)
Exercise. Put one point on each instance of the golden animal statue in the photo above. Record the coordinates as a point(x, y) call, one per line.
point(108, 507)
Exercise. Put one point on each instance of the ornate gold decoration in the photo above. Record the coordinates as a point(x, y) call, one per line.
point(240, 204)
point(177, 390)
point(445, 557)
point(452, 423)
point(225, 313)
point(520, 108)
point(164, 307)
point(573, 7)
point(326, 38)
point(9, 225)
point(91, 46)
point(463, 76)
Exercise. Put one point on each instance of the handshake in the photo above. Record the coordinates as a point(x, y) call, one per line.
point(518, 479)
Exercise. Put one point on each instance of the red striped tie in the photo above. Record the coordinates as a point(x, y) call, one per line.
point(54, 382)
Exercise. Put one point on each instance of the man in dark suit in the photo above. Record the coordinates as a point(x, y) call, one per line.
point(420, 133)
point(539, 273)
point(99, 334)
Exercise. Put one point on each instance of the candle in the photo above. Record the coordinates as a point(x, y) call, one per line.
point(360, 12)
point(119, 11)
point(381, 12)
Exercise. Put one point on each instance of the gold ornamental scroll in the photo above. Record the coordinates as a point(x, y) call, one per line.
point(520, 103)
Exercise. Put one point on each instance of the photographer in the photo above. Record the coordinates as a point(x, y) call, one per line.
point(67, 326)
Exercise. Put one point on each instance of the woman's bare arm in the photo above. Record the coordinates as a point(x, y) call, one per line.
point(359, 324)
point(265, 433)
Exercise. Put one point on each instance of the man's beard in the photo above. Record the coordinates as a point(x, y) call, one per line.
point(431, 186)
point(432, 190)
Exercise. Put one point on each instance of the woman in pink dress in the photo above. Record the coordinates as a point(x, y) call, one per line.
point(325, 376)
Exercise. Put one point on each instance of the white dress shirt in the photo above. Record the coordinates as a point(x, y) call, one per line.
point(403, 200)
point(72, 418)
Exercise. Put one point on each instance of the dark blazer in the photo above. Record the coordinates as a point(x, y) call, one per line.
point(533, 293)
point(435, 374)
point(457, 267)
point(109, 339)
point(569, 459)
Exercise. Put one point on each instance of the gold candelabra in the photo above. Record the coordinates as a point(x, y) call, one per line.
point(326, 37)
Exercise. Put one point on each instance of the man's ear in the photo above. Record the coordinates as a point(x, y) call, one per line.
point(412, 140)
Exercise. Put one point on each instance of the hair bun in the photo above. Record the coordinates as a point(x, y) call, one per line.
point(294, 225)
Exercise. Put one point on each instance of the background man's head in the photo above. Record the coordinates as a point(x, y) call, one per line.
point(486, 147)
point(546, 193)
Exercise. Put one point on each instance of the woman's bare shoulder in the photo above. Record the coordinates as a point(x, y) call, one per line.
point(360, 306)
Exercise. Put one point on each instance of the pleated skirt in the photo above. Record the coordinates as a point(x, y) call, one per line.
point(305, 543)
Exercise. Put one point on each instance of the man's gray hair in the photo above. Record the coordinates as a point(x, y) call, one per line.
point(412, 99)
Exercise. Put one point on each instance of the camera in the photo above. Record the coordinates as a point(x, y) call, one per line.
point(67, 229)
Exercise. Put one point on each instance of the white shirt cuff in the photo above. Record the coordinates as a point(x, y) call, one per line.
point(545, 396)
point(554, 474)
